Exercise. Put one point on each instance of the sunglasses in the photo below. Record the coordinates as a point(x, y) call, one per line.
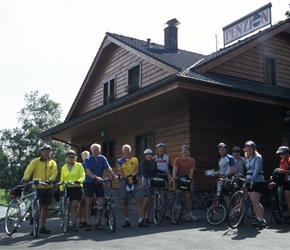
point(71, 156)
point(236, 151)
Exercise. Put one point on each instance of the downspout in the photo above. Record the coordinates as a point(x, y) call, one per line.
point(67, 144)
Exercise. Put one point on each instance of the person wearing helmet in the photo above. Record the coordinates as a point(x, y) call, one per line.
point(73, 171)
point(240, 161)
point(128, 167)
point(149, 170)
point(255, 176)
point(227, 169)
point(284, 168)
point(95, 165)
point(164, 168)
point(185, 166)
point(45, 169)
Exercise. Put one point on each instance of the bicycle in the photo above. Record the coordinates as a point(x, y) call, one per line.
point(183, 184)
point(108, 208)
point(19, 206)
point(217, 212)
point(278, 204)
point(64, 206)
point(240, 205)
point(158, 206)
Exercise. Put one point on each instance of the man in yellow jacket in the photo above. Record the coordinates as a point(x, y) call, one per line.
point(45, 169)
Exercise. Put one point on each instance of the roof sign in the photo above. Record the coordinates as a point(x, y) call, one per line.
point(247, 24)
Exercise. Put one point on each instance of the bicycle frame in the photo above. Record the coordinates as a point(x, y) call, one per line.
point(239, 205)
point(158, 205)
point(279, 206)
point(217, 212)
point(15, 209)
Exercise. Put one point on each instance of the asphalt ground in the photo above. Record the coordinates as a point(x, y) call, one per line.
point(185, 235)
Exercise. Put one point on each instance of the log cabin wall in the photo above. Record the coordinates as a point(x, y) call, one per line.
point(250, 64)
point(116, 65)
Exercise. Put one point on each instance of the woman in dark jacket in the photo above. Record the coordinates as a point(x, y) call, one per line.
point(149, 170)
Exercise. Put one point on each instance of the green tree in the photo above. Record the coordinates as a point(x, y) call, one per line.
point(20, 145)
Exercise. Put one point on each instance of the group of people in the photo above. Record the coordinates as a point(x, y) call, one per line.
point(251, 168)
point(87, 178)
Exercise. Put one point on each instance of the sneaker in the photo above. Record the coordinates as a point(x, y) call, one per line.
point(255, 223)
point(73, 228)
point(149, 221)
point(287, 219)
point(143, 224)
point(261, 224)
point(81, 225)
point(87, 227)
point(44, 231)
point(127, 224)
point(98, 226)
point(190, 217)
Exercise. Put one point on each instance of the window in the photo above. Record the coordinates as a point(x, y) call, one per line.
point(134, 79)
point(108, 150)
point(143, 142)
point(109, 91)
point(269, 71)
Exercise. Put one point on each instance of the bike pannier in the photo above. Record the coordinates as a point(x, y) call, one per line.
point(183, 183)
point(157, 183)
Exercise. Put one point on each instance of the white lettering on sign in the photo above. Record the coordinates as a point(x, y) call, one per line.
point(247, 24)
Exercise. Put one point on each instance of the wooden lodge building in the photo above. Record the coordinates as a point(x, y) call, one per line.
point(141, 93)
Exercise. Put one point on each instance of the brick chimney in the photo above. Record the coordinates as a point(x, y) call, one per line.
point(170, 35)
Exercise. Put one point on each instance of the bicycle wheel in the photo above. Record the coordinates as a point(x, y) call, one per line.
point(12, 218)
point(64, 217)
point(235, 211)
point(249, 210)
point(158, 208)
point(177, 208)
point(276, 211)
point(36, 216)
point(111, 219)
point(216, 214)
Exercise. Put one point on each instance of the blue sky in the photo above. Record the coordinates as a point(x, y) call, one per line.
point(49, 45)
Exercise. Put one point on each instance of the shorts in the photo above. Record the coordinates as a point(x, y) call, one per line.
point(74, 193)
point(44, 196)
point(257, 187)
point(286, 185)
point(125, 194)
point(147, 191)
point(92, 188)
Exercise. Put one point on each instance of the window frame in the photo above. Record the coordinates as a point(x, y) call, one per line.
point(134, 86)
point(108, 97)
point(270, 71)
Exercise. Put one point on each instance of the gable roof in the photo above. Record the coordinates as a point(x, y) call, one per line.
point(271, 31)
point(180, 60)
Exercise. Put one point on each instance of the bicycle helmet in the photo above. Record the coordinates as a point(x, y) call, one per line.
point(160, 145)
point(148, 151)
point(250, 144)
point(222, 145)
point(282, 150)
point(46, 146)
point(236, 149)
point(70, 152)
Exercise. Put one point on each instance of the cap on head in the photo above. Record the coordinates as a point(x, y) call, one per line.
point(222, 145)
point(251, 144)
point(282, 150)
point(46, 146)
point(148, 151)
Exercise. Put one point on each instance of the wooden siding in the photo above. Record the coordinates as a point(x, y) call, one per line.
point(250, 64)
point(116, 64)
